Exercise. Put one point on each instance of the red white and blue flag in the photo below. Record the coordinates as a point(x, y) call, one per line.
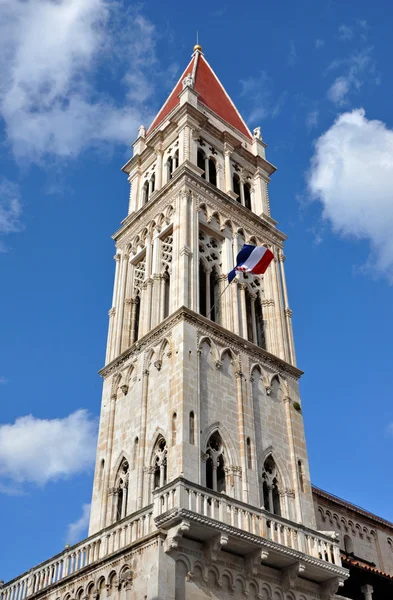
point(251, 259)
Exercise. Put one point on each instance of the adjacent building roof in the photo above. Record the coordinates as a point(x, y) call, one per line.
point(365, 513)
point(211, 94)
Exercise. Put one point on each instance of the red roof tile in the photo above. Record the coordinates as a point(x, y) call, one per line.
point(211, 93)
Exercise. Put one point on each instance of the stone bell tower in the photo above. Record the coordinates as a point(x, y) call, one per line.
point(201, 487)
point(201, 434)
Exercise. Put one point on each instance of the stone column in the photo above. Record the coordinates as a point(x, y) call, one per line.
point(112, 311)
point(243, 310)
point(159, 156)
point(278, 306)
point(242, 201)
point(120, 304)
point(145, 309)
point(294, 469)
point(228, 167)
point(108, 462)
point(184, 252)
point(367, 590)
point(233, 288)
point(241, 433)
point(287, 311)
point(260, 196)
point(142, 442)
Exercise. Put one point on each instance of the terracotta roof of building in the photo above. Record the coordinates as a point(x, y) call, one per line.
point(211, 94)
point(354, 562)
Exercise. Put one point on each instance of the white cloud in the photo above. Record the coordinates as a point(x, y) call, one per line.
point(319, 43)
point(40, 450)
point(358, 68)
point(78, 529)
point(50, 56)
point(339, 89)
point(312, 119)
point(3, 380)
point(10, 206)
point(351, 174)
point(345, 33)
point(259, 92)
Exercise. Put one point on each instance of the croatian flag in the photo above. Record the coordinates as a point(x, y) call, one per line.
point(251, 259)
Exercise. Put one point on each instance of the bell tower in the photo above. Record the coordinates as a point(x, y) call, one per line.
point(201, 434)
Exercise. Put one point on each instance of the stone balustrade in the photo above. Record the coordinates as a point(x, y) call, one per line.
point(196, 499)
point(75, 558)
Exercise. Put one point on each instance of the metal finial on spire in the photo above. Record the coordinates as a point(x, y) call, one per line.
point(197, 47)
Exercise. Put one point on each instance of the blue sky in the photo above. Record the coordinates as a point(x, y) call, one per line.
point(77, 80)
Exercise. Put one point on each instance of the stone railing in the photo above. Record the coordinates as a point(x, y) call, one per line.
point(182, 494)
point(75, 558)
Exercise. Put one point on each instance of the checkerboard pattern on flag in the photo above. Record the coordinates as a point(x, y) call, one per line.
point(251, 259)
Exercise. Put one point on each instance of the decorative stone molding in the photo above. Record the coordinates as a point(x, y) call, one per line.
point(253, 561)
point(212, 547)
point(112, 312)
point(214, 332)
point(330, 587)
point(158, 365)
point(218, 364)
point(124, 389)
point(174, 535)
point(290, 574)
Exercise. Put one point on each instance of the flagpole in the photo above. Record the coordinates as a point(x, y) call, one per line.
point(216, 302)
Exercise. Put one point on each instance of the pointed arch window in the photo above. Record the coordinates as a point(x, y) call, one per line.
point(174, 428)
point(135, 455)
point(167, 247)
point(260, 325)
point(145, 193)
point(270, 484)
point(192, 428)
point(215, 464)
point(121, 491)
point(160, 463)
point(209, 276)
point(247, 195)
point(201, 161)
point(212, 172)
point(139, 277)
point(249, 455)
point(249, 316)
point(301, 475)
point(236, 186)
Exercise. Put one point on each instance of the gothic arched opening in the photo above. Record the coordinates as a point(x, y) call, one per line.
point(212, 171)
point(236, 186)
point(260, 326)
point(270, 486)
point(247, 195)
point(160, 463)
point(202, 289)
point(215, 464)
point(121, 490)
point(201, 162)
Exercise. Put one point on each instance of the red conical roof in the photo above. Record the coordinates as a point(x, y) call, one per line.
point(211, 94)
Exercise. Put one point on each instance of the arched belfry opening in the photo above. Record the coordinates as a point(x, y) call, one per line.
point(215, 463)
point(160, 463)
point(271, 486)
point(120, 491)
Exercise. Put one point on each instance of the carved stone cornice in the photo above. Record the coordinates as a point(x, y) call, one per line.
point(167, 519)
point(220, 336)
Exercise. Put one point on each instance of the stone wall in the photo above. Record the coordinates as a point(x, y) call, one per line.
point(369, 537)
